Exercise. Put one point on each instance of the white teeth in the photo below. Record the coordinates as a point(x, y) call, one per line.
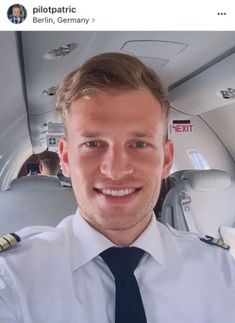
point(118, 192)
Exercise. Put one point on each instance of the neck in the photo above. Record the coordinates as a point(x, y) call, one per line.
point(124, 237)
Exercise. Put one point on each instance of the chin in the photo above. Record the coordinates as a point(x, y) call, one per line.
point(118, 222)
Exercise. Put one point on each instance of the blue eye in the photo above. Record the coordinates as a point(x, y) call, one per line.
point(139, 144)
point(95, 144)
point(92, 144)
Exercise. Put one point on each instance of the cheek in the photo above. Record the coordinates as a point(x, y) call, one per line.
point(82, 168)
point(152, 161)
point(152, 168)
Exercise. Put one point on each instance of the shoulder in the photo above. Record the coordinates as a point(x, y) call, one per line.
point(40, 251)
point(198, 237)
point(13, 243)
point(194, 245)
point(28, 236)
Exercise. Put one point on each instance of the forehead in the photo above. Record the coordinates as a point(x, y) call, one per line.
point(116, 113)
point(115, 107)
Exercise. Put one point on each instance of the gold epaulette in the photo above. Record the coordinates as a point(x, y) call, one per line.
point(11, 239)
point(8, 241)
point(215, 242)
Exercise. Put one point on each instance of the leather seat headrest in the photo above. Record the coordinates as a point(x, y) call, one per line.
point(207, 180)
point(35, 182)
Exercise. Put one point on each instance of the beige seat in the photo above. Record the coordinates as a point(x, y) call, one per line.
point(35, 200)
point(201, 201)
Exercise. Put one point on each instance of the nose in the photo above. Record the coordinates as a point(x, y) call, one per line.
point(116, 163)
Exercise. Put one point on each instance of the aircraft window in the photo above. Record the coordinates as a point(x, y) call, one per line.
point(198, 160)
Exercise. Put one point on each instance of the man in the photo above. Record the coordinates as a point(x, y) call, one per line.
point(49, 163)
point(16, 17)
point(116, 152)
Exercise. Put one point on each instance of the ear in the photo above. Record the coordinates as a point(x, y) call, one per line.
point(168, 158)
point(63, 153)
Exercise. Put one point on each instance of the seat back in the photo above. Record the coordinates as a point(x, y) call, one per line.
point(201, 201)
point(35, 200)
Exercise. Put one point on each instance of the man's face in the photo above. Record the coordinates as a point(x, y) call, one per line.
point(16, 12)
point(116, 156)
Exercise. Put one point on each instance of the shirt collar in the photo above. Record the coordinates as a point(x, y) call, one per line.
point(150, 241)
point(87, 243)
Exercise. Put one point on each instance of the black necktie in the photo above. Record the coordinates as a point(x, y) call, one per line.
point(122, 263)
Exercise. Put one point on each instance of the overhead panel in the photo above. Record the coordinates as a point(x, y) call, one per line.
point(154, 53)
point(153, 48)
point(222, 123)
point(211, 89)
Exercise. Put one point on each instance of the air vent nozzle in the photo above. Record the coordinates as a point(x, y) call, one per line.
point(229, 93)
point(60, 51)
point(51, 91)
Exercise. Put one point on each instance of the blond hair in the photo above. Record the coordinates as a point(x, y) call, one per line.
point(109, 71)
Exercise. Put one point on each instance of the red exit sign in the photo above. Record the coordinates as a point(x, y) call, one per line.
point(181, 126)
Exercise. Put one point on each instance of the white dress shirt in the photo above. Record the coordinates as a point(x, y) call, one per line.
point(228, 235)
point(57, 276)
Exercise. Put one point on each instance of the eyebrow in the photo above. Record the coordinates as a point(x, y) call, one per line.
point(141, 134)
point(138, 134)
point(89, 134)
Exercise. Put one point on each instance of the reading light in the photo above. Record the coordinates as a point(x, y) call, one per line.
point(51, 91)
point(229, 93)
point(60, 51)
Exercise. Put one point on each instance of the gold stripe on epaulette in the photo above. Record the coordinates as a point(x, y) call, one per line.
point(7, 241)
point(215, 242)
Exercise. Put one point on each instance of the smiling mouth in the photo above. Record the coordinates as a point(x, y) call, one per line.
point(118, 193)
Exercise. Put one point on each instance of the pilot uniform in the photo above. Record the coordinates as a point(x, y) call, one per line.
point(57, 276)
point(16, 20)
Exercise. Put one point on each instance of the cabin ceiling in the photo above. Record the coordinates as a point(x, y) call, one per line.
point(177, 57)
